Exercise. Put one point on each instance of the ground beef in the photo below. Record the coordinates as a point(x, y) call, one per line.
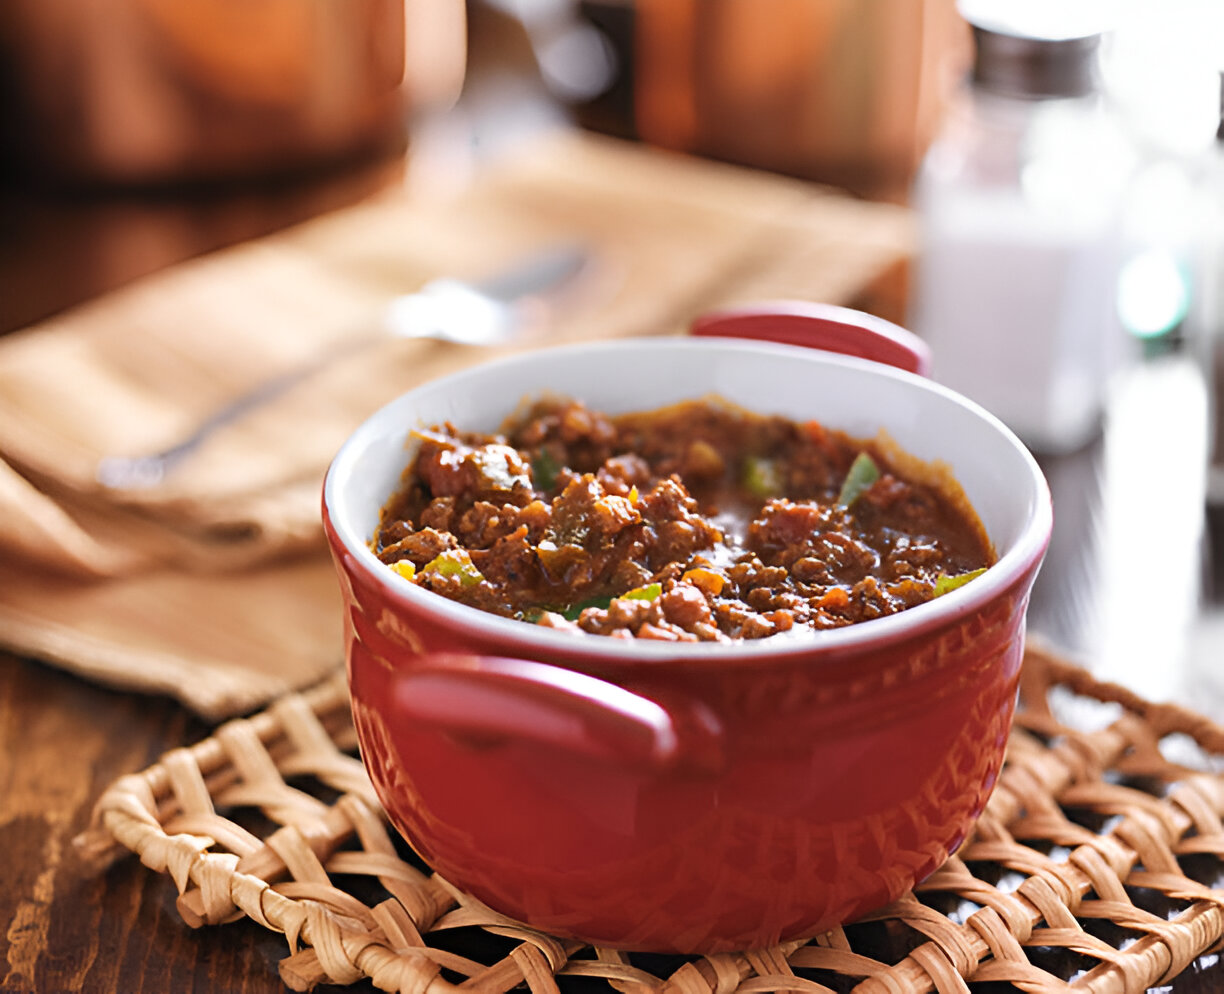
point(699, 522)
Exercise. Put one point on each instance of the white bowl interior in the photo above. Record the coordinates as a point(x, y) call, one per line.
point(998, 474)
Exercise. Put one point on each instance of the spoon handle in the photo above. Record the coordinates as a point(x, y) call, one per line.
point(480, 313)
point(138, 472)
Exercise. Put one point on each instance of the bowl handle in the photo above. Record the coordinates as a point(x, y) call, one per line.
point(484, 701)
point(819, 326)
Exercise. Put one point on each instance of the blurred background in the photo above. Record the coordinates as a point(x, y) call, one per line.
point(1063, 163)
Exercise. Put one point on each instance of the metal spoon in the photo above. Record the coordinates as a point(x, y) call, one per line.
point(484, 312)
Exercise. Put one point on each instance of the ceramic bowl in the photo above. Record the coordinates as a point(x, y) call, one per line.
point(690, 797)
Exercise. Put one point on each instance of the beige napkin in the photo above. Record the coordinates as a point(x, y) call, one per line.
point(215, 586)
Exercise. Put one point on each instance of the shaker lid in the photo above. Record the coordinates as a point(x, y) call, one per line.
point(1036, 48)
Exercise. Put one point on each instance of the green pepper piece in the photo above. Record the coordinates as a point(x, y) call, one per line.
point(572, 612)
point(863, 473)
point(646, 593)
point(945, 583)
point(761, 476)
point(544, 470)
point(455, 562)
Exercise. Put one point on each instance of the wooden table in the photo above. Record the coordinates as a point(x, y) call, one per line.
point(62, 740)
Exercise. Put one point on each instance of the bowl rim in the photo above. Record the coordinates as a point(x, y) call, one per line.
point(521, 639)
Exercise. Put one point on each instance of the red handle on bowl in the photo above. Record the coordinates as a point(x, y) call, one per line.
point(820, 326)
point(485, 700)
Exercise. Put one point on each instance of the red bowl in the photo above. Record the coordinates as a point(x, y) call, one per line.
point(692, 797)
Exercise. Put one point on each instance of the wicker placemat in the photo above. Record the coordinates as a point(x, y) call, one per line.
point(1098, 866)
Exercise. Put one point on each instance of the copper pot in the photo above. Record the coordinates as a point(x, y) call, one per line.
point(847, 92)
point(140, 91)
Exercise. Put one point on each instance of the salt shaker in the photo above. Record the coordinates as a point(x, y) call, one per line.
point(1019, 207)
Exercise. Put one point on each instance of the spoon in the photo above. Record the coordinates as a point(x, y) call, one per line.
point(483, 312)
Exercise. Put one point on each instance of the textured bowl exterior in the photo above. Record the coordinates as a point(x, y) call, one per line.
point(818, 778)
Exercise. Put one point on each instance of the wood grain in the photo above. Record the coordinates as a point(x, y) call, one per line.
point(66, 930)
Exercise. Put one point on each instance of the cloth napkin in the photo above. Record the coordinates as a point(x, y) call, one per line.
point(215, 586)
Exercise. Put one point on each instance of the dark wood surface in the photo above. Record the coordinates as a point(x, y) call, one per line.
point(63, 740)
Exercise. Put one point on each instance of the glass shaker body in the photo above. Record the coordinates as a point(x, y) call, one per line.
point(1019, 206)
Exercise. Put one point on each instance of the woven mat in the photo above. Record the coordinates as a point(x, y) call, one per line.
point(1098, 866)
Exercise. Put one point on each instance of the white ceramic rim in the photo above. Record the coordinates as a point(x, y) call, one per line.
point(522, 640)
